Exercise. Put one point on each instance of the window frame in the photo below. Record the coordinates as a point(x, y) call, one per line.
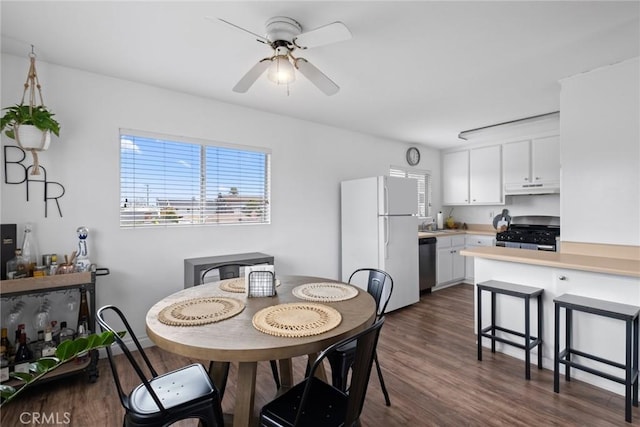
point(427, 194)
point(207, 211)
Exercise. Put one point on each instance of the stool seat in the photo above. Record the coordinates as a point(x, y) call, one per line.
point(519, 291)
point(614, 310)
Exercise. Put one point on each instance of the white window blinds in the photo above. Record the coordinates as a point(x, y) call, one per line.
point(167, 182)
point(424, 187)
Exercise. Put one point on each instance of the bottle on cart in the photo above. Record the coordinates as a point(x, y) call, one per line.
point(29, 249)
point(83, 311)
point(17, 266)
point(83, 332)
point(4, 342)
point(66, 333)
point(4, 364)
point(24, 355)
point(53, 267)
point(36, 347)
point(48, 347)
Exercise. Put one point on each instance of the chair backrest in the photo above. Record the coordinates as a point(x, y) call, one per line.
point(144, 377)
point(376, 283)
point(366, 342)
point(225, 271)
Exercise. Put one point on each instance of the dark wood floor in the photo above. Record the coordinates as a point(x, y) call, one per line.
point(428, 357)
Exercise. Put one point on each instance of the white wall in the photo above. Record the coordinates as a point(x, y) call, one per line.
point(600, 155)
point(308, 162)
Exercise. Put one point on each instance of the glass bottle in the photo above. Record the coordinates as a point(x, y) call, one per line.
point(4, 342)
point(53, 267)
point(4, 364)
point(65, 332)
point(48, 347)
point(17, 267)
point(29, 248)
point(82, 261)
point(23, 354)
point(83, 332)
point(36, 348)
point(83, 312)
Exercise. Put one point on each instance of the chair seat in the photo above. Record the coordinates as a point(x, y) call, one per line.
point(174, 388)
point(329, 407)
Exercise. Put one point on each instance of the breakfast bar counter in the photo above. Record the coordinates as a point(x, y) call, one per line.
point(596, 264)
point(605, 278)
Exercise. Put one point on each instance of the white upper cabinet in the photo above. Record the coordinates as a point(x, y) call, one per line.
point(485, 175)
point(472, 176)
point(532, 166)
point(455, 178)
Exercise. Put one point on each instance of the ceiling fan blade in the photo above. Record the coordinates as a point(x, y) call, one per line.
point(315, 76)
point(330, 33)
point(260, 38)
point(252, 75)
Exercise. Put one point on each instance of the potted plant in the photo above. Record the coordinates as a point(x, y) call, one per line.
point(30, 126)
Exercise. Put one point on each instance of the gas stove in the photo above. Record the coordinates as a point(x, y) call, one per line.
point(531, 232)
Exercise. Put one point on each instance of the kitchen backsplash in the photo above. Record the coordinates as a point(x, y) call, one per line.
point(547, 204)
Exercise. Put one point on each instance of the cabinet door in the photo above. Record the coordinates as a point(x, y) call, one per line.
point(455, 178)
point(516, 162)
point(457, 263)
point(445, 266)
point(545, 162)
point(485, 175)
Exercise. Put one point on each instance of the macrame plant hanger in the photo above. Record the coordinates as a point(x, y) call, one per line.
point(30, 85)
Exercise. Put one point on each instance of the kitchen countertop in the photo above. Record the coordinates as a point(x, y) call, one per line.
point(597, 264)
point(440, 233)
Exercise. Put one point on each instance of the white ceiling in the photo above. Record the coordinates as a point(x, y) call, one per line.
point(415, 71)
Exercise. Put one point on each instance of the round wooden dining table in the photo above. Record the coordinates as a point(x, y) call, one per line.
point(236, 340)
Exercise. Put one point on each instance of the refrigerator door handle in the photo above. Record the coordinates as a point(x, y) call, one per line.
point(386, 237)
point(386, 199)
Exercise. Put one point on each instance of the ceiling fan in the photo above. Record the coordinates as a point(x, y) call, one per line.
point(284, 35)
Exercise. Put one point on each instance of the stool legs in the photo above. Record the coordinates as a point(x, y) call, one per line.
point(556, 348)
point(540, 330)
point(527, 339)
point(479, 323)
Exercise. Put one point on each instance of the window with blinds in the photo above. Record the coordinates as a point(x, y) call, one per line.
point(424, 187)
point(166, 181)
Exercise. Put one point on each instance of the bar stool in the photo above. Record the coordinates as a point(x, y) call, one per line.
point(613, 310)
point(519, 291)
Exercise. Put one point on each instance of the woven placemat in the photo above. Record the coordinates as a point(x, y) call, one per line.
point(325, 291)
point(236, 285)
point(297, 319)
point(200, 311)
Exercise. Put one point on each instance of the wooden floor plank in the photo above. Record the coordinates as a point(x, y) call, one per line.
point(428, 357)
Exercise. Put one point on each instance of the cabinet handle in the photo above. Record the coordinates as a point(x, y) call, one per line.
point(537, 178)
point(562, 278)
point(526, 179)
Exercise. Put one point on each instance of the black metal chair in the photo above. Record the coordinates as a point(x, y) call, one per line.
point(232, 271)
point(313, 402)
point(342, 359)
point(161, 400)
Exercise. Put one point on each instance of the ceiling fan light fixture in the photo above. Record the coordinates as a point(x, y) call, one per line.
point(281, 71)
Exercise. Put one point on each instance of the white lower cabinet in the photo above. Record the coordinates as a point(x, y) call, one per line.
point(450, 264)
point(472, 241)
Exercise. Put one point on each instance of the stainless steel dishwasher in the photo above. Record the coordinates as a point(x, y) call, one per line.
point(427, 263)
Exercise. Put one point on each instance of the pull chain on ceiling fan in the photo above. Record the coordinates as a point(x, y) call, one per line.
point(284, 35)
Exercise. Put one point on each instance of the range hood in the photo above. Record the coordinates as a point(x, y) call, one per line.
point(523, 189)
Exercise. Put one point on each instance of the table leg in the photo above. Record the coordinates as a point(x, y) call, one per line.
point(243, 412)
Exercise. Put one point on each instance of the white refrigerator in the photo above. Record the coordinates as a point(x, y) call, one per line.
point(379, 227)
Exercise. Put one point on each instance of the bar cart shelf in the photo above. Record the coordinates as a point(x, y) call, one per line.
point(80, 281)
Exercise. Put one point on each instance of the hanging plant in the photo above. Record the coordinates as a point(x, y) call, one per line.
point(30, 125)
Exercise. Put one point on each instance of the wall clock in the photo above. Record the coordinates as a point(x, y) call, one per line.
point(413, 156)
